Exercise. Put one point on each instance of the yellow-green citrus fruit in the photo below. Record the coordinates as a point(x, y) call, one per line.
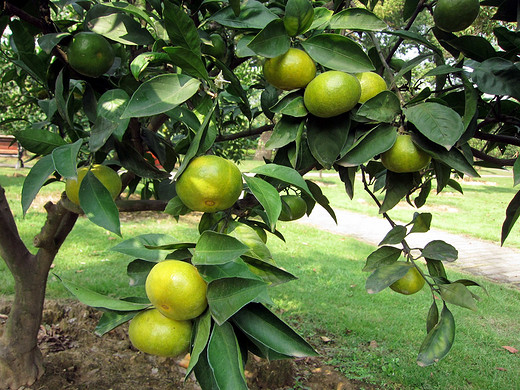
point(371, 85)
point(209, 184)
point(107, 176)
point(410, 283)
point(90, 54)
point(298, 17)
point(294, 208)
point(151, 332)
point(404, 156)
point(455, 15)
point(176, 289)
point(332, 93)
point(292, 70)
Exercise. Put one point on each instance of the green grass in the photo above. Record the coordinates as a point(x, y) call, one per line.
point(374, 338)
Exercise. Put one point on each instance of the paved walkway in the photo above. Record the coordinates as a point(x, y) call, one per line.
point(477, 257)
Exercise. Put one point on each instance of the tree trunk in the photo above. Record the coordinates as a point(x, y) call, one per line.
point(20, 357)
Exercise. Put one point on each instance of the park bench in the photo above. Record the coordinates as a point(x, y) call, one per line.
point(9, 147)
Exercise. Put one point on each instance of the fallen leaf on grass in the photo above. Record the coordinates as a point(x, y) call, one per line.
point(510, 349)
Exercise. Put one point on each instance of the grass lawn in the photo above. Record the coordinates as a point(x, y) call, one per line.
point(370, 337)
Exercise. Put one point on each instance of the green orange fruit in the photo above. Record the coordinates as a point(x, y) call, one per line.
point(371, 85)
point(332, 93)
point(404, 156)
point(293, 208)
point(177, 290)
point(90, 54)
point(292, 70)
point(209, 184)
point(107, 176)
point(155, 334)
point(410, 283)
point(455, 15)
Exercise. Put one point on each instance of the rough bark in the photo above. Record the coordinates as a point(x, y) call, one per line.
point(20, 358)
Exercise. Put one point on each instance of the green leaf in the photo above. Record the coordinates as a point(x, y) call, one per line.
point(421, 222)
point(263, 326)
point(321, 199)
point(436, 122)
point(137, 246)
point(516, 172)
point(181, 28)
point(35, 179)
point(272, 41)
point(190, 62)
point(458, 294)
point(322, 18)
point(138, 271)
point(409, 8)
point(285, 131)
point(100, 301)
point(381, 256)
point(268, 272)
point(436, 268)
point(442, 70)
point(413, 36)
point(384, 107)
point(439, 340)
point(98, 205)
point(298, 17)
point(394, 236)
point(512, 214)
point(433, 317)
point(253, 15)
point(228, 296)
point(497, 76)
point(398, 185)
point(134, 161)
point(47, 42)
point(440, 250)
point(357, 19)
point(385, 275)
point(112, 319)
point(283, 173)
point(474, 47)
point(232, 269)
point(225, 358)
point(338, 52)
point(160, 94)
point(204, 373)
point(175, 207)
point(202, 331)
point(215, 248)
point(141, 62)
point(100, 132)
point(291, 105)
point(64, 159)
point(111, 106)
point(268, 197)
point(369, 145)
point(327, 137)
point(39, 141)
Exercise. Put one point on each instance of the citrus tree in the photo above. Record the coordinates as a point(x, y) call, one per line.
point(137, 100)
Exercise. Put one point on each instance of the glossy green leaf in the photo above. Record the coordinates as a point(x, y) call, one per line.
point(190, 62)
point(321, 199)
point(64, 159)
point(357, 19)
point(372, 143)
point(232, 269)
point(507, 40)
point(475, 47)
point(267, 271)
point(228, 296)
point(39, 141)
point(283, 173)
point(436, 268)
point(215, 248)
point(112, 319)
point(409, 8)
point(381, 256)
point(136, 247)
point(253, 15)
point(160, 94)
point(100, 301)
point(272, 41)
point(327, 137)
point(138, 271)
point(394, 236)
point(322, 18)
point(141, 62)
point(268, 197)
point(136, 163)
point(291, 105)
point(202, 331)
point(181, 28)
point(235, 88)
point(225, 358)
point(204, 373)
point(497, 76)
point(436, 122)
point(121, 28)
point(516, 172)
point(335, 51)
point(439, 340)
point(98, 205)
point(130, 9)
point(458, 294)
point(385, 275)
point(512, 214)
point(416, 37)
point(442, 70)
point(384, 107)
point(421, 222)
point(111, 106)
point(49, 41)
point(35, 179)
point(398, 185)
point(298, 17)
point(440, 250)
point(285, 131)
point(263, 326)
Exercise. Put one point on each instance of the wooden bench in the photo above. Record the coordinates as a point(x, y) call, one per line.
point(9, 147)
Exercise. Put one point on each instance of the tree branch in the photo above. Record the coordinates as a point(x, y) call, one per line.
point(505, 139)
point(505, 162)
point(243, 134)
point(124, 206)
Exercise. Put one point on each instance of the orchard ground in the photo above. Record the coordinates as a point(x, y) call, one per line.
point(358, 335)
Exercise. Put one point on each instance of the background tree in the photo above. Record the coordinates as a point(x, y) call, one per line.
point(180, 80)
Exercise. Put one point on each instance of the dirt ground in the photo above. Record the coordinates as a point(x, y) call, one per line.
point(76, 359)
